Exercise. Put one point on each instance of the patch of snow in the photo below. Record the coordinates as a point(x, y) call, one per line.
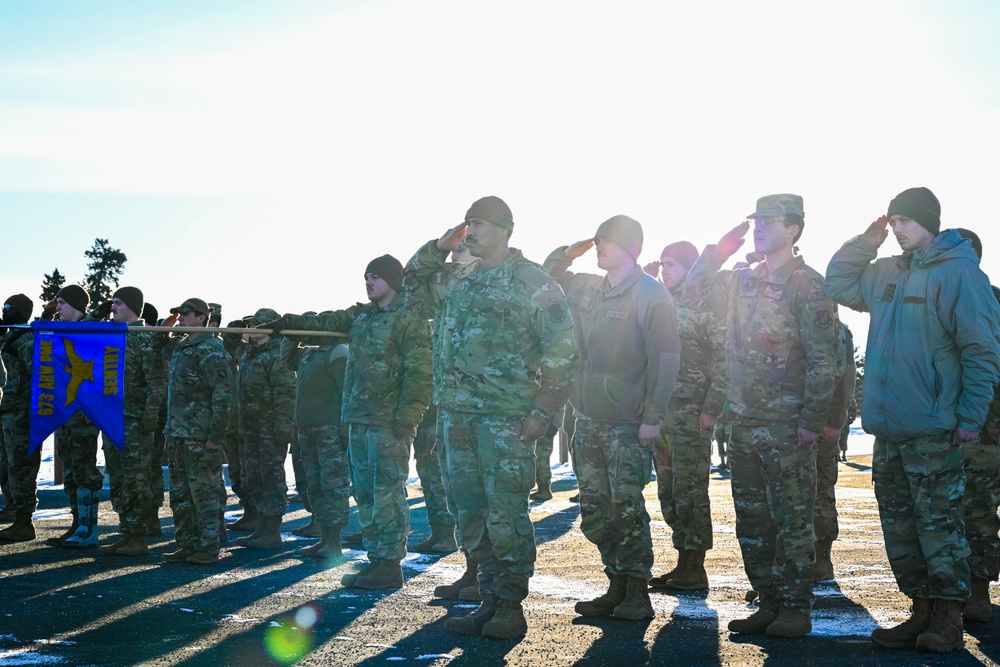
point(435, 656)
point(28, 658)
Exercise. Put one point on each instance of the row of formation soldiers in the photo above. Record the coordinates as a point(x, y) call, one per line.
point(651, 360)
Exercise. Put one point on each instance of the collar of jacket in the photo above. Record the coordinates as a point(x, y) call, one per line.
point(632, 278)
point(781, 276)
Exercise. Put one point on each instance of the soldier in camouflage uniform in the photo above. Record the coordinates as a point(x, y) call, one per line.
point(825, 521)
point(981, 459)
point(625, 324)
point(387, 390)
point(238, 349)
point(265, 391)
point(320, 366)
point(145, 385)
point(17, 347)
point(781, 358)
point(933, 362)
point(544, 447)
point(683, 457)
point(442, 537)
point(199, 396)
point(505, 363)
point(77, 442)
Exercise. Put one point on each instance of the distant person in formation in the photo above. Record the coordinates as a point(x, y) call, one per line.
point(781, 360)
point(981, 458)
point(199, 396)
point(386, 391)
point(825, 521)
point(933, 362)
point(321, 364)
point(17, 347)
point(265, 393)
point(625, 324)
point(505, 363)
point(683, 457)
point(77, 443)
point(145, 386)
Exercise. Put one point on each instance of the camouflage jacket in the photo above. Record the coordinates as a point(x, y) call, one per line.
point(18, 351)
point(388, 377)
point(319, 382)
point(145, 376)
point(628, 343)
point(932, 360)
point(506, 336)
point(781, 339)
point(199, 389)
point(843, 392)
point(265, 391)
point(701, 381)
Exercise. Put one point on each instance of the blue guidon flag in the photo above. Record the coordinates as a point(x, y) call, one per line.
point(78, 366)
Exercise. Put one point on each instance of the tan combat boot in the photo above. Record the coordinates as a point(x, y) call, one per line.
point(132, 545)
point(474, 622)
point(636, 605)
point(693, 577)
point(604, 605)
point(508, 622)
point(978, 608)
point(178, 556)
point(351, 578)
point(544, 492)
point(269, 535)
point(660, 581)
point(451, 591)
point(58, 541)
point(22, 530)
point(387, 574)
point(905, 634)
point(441, 541)
point(945, 633)
point(311, 529)
point(247, 522)
point(790, 624)
point(824, 561)
point(755, 624)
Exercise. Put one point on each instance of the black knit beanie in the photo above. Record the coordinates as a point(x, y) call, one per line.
point(918, 204)
point(492, 209)
point(23, 307)
point(388, 269)
point(684, 252)
point(132, 297)
point(624, 231)
point(75, 296)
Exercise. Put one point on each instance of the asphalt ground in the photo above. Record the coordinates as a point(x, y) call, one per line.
point(77, 607)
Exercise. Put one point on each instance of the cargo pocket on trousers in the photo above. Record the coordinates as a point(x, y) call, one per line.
point(515, 475)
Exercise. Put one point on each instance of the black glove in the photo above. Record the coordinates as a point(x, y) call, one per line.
point(102, 311)
point(276, 326)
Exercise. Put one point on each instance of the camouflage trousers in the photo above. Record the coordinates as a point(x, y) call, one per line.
point(982, 497)
point(195, 474)
point(774, 493)
point(491, 472)
point(683, 462)
point(920, 485)
point(22, 467)
point(429, 471)
point(4, 477)
point(233, 447)
point(827, 471)
point(156, 463)
point(327, 471)
point(262, 466)
point(380, 464)
point(544, 447)
point(612, 468)
point(78, 449)
point(299, 472)
point(129, 473)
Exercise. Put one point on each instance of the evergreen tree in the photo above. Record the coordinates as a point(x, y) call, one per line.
point(103, 271)
point(51, 285)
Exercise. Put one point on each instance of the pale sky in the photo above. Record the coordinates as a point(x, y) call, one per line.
point(260, 154)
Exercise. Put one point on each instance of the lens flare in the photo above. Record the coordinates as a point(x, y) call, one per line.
point(291, 638)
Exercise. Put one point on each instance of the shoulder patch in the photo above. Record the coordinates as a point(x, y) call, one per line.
point(888, 293)
point(823, 319)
